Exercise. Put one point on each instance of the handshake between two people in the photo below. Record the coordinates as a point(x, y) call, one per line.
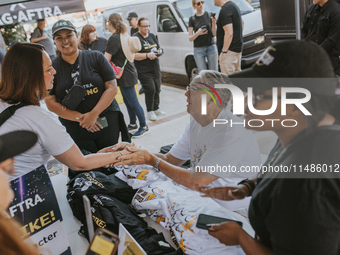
point(130, 154)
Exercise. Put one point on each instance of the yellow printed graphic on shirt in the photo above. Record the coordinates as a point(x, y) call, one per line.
point(142, 173)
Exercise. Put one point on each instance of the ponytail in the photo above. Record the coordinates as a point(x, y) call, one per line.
point(117, 22)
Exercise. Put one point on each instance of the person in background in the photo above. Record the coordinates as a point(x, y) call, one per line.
point(321, 24)
point(118, 51)
point(147, 65)
point(29, 90)
point(133, 22)
point(90, 41)
point(40, 36)
point(229, 36)
point(12, 144)
point(95, 74)
point(295, 211)
point(204, 26)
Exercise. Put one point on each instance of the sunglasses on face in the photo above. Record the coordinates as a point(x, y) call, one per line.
point(199, 3)
point(145, 26)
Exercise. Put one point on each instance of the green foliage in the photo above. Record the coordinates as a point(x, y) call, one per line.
point(13, 32)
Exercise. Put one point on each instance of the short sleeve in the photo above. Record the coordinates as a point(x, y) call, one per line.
point(181, 148)
point(191, 23)
point(226, 17)
point(105, 69)
point(113, 45)
point(36, 33)
point(53, 136)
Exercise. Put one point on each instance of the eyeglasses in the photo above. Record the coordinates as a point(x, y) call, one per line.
point(145, 26)
point(191, 88)
point(256, 98)
point(199, 3)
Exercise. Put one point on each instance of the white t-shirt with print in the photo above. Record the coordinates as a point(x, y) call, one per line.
point(221, 145)
point(52, 136)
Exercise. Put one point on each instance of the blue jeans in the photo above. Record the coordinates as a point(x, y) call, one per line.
point(132, 105)
point(209, 53)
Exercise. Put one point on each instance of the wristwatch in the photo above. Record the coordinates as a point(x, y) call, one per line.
point(157, 164)
point(224, 51)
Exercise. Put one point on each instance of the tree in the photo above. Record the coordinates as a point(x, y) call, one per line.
point(13, 32)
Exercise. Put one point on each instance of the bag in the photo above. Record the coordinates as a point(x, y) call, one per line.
point(118, 70)
point(76, 93)
point(74, 96)
point(8, 112)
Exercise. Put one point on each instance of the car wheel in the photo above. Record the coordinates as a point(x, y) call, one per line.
point(192, 70)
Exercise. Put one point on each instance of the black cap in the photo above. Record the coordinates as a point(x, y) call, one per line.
point(292, 63)
point(14, 143)
point(63, 24)
point(132, 15)
point(41, 20)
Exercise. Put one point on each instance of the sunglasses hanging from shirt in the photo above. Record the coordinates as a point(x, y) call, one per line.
point(77, 92)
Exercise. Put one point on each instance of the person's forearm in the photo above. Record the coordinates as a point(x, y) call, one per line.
point(227, 41)
point(34, 40)
point(193, 37)
point(62, 111)
point(141, 56)
point(252, 247)
point(213, 29)
point(105, 100)
point(327, 44)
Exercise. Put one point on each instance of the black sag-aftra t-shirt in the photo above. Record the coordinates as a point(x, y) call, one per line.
point(114, 47)
point(99, 45)
point(198, 21)
point(95, 70)
point(148, 67)
point(230, 14)
point(297, 212)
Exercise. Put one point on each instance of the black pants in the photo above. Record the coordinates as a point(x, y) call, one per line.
point(152, 88)
point(93, 142)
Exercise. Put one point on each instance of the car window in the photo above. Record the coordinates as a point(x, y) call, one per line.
point(166, 21)
point(185, 10)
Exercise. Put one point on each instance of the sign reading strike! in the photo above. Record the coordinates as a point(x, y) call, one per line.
point(39, 9)
point(36, 208)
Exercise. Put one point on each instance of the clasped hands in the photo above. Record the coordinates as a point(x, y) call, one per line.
point(130, 154)
point(89, 122)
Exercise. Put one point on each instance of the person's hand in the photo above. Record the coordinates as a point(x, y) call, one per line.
point(137, 157)
point(227, 233)
point(43, 37)
point(213, 19)
point(152, 55)
point(202, 31)
point(225, 193)
point(117, 147)
point(89, 122)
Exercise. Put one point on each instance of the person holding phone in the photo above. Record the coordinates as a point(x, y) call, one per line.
point(202, 30)
point(297, 211)
point(94, 72)
point(149, 73)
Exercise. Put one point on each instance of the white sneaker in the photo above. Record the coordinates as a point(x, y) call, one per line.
point(159, 112)
point(152, 115)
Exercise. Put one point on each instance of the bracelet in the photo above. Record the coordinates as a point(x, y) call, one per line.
point(156, 166)
point(146, 55)
point(249, 184)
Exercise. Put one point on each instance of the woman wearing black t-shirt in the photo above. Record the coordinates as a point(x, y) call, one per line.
point(94, 72)
point(147, 64)
point(90, 41)
point(114, 52)
point(204, 26)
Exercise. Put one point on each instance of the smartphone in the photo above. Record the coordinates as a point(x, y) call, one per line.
point(104, 243)
point(213, 14)
point(159, 53)
point(205, 220)
point(204, 27)
point(103, 121)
